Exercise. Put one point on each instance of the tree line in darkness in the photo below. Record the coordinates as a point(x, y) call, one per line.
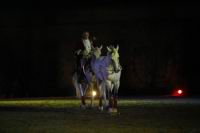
point(37, 49)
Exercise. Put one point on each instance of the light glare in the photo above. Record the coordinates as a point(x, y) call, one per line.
point(180, 91)
point(94, 93)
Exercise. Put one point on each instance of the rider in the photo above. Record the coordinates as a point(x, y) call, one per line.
point(83, 52)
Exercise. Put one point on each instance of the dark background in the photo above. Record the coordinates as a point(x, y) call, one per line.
point(158, 45)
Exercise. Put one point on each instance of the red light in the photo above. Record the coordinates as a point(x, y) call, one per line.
point(180, 92)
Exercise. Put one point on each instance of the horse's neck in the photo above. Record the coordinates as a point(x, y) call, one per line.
point(93, 59)
point(103, 60)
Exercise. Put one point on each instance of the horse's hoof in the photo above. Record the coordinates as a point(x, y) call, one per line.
point(114, 110)
point(101, 108)
point(110, 110)
point(89, 106)
point(106, 107)
point(83, 106)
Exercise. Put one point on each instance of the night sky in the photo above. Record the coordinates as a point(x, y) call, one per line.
point(158, 45)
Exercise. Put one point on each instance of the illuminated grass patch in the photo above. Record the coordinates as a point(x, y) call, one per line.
point(64, 115)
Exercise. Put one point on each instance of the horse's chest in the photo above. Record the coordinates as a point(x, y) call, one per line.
point(114, 77)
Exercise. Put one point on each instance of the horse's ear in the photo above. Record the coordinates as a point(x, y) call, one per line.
point(117, 48)
point(109, 49)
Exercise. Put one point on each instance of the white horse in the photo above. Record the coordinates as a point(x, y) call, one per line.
point(88, 80)
point(107, 71)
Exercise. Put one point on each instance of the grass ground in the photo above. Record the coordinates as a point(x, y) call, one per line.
point(64, 116)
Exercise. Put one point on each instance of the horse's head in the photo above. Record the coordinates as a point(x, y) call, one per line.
point(113, 52)
point(97, 52)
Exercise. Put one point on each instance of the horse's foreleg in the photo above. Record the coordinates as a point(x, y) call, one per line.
point(82, 95)
point(115, 102)
point(104, 98)
point(100, 104)
point(109, 88)
point(91, 91)
point(101, 91)
point(83, 100)
point(110, 96)
point(115, 97)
